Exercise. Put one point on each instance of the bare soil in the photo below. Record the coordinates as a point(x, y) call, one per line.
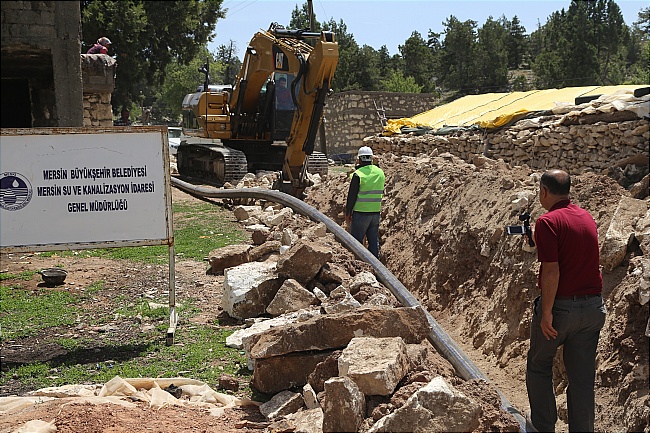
point(442, 237)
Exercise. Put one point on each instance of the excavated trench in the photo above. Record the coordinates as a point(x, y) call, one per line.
point(437, 336)
point(442, 235)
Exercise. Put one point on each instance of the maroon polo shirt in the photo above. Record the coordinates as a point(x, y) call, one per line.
point(567, 234)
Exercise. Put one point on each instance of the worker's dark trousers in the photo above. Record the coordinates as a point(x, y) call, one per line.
point(578, 323)
point(366, 224)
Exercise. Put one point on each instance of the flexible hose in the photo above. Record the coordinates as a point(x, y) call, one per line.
point(437, 336)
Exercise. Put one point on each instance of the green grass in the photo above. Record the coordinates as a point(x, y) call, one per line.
point(25, 313)
point(198, 230)
point(25, 275)
point(202, 355)
point(199, 353)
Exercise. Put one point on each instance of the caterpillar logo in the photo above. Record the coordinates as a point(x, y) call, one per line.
point(15, 191)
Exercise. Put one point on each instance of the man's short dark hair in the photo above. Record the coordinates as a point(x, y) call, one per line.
point(557, 182)
point(282, 79)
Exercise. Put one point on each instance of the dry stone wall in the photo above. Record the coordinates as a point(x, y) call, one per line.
point(98, 84)
point(352, 116)
point(539, 145)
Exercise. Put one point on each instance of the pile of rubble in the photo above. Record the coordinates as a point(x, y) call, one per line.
point(331, 344)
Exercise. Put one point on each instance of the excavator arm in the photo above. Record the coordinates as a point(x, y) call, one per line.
point(279, 50)
point(315, 78)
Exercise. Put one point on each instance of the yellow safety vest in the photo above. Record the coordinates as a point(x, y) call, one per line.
point(371, 189)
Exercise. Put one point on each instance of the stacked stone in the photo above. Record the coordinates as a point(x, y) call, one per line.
point(98, 110)
point(577, 148)
point(351, 116)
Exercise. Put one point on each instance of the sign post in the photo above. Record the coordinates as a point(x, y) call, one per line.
point(83, 188)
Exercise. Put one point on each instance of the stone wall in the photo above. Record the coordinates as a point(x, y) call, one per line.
point(351, 116)
point(98, 84)
point(41, 71)
point(540, 145)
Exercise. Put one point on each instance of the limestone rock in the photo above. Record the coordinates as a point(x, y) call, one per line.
point(281, 404)
point(286, 371)
point(621, 231)
point(245, 212)
point(303, 261)
point(334, 331)
point(333, 273)
point(263, 250)
point(344, 405)
point(249, 288)
point(324, 370)
point(290, 297)
point(434, 407)
point(309, 396)
point(306, 421)
point(376, 365)
point(228, 257)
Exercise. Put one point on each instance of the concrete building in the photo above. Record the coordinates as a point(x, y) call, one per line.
point(41, 64)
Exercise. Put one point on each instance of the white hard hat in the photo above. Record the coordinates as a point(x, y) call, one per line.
point(104, 41)
point(364, 151)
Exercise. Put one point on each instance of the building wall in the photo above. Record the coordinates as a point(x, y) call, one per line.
point(41, 47)
point(352, 116)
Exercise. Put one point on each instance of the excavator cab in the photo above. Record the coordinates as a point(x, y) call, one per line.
point(283, 106)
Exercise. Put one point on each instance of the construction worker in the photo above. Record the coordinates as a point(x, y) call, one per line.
point(363, 204)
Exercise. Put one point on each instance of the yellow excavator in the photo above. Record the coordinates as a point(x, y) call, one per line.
point(269, 119)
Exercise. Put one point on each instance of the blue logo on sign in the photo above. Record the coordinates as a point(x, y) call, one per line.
point(15, 191)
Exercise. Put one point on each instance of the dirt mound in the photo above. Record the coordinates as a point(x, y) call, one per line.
point(442, 234)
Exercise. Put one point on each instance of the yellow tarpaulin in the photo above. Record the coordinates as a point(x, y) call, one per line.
point(493, 110)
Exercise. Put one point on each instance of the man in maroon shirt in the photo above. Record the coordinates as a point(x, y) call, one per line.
point(571, 311)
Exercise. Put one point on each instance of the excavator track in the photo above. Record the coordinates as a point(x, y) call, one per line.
point(317, 164)
point(213, 163)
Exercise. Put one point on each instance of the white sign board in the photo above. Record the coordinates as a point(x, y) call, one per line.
point(66, 188)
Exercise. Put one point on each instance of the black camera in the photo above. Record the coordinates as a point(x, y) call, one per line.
point(523, 229)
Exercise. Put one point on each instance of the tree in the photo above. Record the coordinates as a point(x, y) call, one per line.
point(639, 49)
point(492, 57)
point(456, 67)
point(181, 79)
point(516, 42)
point(397, 82)
point(418, 61)
point(227, 56)
point(549, 65)
point(147, 36)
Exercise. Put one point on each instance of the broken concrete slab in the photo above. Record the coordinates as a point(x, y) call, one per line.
point(291, 296)
point(281, 404)
point(376, 365)
point(303, 261)
point(435, 407)
point(621, 231)
point(333, 331)
point(228, 257)
point(249, 288)
point(344, 406)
